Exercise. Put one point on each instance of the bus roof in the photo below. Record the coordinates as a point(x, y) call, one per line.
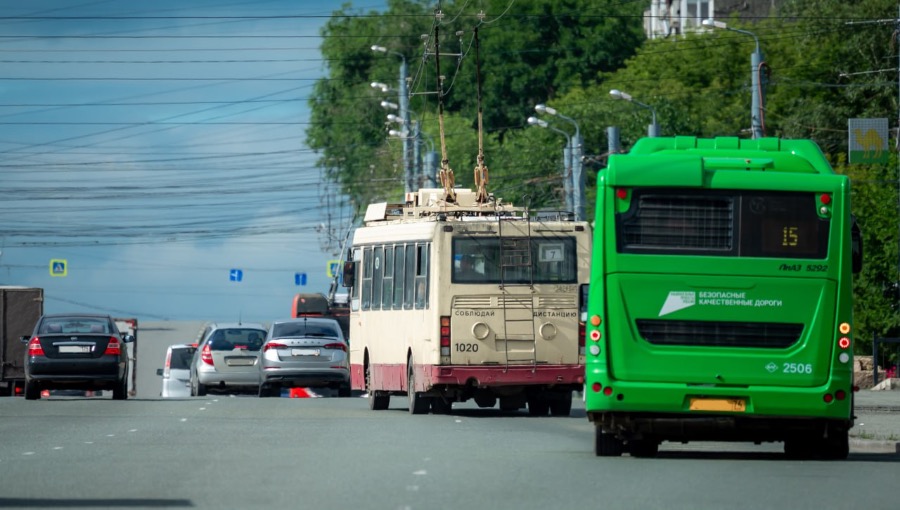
point(771, 154)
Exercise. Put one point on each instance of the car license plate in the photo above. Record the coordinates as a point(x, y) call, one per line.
point(734, 405)
point(75, 348)
point(239, 362)
point(304, 352)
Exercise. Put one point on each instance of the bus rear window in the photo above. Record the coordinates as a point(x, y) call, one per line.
point(738, 223)
point(515, 260)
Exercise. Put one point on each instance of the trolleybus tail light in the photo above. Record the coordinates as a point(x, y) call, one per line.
point(445, 335)
point(34, 347)
point(206, 355)
point(113, 348)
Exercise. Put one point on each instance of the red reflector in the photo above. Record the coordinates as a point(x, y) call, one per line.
point(581, 331)
point(445, 330)
point(622, 193)
point(828, 398)
point(596, 387)
point(112, 348)
point(844, 342)
point(34, 347)
point(445, 341)
point(825, 198)
point(607, 391)
point(840, 394)
point(595, 335)
point(337, 345)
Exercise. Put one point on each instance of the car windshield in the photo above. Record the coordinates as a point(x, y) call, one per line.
point(304, 329)
point(228, 339)
point(71, 325)
point(181, 358)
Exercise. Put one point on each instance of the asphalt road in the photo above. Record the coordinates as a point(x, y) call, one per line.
point(328, 453)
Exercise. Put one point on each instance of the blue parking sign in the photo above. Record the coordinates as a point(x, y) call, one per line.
point(236, 275)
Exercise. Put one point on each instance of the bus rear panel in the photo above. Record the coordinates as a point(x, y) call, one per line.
point(720, 299)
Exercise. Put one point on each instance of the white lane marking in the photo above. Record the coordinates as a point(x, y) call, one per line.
point(133, 430)
point(57, 447)
point(412, 488)
point(420, 472)
point(28, 453)
point(110, 435)
point(458, 421)
point(203, 409)
point(184, 419)
point(88, 442)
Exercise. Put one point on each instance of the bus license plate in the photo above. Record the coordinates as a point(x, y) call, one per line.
point(735, 405)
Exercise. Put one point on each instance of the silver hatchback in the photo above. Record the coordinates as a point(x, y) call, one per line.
point(304, 352)
point(226, 358)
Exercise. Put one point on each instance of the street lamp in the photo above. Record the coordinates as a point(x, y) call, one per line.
point(756, 100)
point(387, 105)
point(403, 108)
point(381, 86)
point(653, 128)
point(567, 158)
point(575, 181)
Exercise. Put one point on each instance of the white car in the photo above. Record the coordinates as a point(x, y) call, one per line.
point(176, 375)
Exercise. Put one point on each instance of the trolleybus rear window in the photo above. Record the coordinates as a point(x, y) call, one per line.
point(516, 260)
point(730, 223)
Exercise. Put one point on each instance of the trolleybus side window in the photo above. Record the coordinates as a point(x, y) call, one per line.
point(388, 278)
point(367, 279)
point(398, 276)
point(422, 276)
point(356, 280)
point(378, 263)
point(410, 276)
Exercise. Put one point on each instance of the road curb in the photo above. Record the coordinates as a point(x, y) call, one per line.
point(874, 446)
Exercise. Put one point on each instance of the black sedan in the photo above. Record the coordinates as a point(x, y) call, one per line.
point(76, 351)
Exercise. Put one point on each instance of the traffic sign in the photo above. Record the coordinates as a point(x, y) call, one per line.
point(59, 267)
point(299, 278)
point(334, 267)
point(236, 275)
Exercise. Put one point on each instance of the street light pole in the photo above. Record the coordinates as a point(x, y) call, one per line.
point(567, 159)
point(576, 179)
point(403, 101)
point(653, 128)
point(756, 99)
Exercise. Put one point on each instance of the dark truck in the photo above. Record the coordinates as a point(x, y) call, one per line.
point(20, 309)
point(318, 305)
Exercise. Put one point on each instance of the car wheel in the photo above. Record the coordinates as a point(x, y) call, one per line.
point(538, 405)
point(268, 390)
point(345, 391)
point(606, 444)
point(32, 391)
point(201, 389)
point(120, 392)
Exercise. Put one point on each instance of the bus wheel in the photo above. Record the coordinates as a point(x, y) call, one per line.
point(561, 406)
point(538, 405)
point(646, 447)
point(837, 445)
point(606, 444)
point(799, 448)
point(378, 401)
point(417, 403)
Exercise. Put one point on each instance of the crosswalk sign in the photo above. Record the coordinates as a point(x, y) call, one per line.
point(334, 267)
point(59, 267)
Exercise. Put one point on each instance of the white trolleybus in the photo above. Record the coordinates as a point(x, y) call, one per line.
point(452, 301)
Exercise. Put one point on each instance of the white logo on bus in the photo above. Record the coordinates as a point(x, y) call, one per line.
point(678, 300)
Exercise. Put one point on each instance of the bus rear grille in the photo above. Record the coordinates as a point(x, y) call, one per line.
point(471, 301)
point(556, 301)
point(719, 334)
point(685, 222)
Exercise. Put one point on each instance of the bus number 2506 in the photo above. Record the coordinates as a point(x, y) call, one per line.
point(466, 347)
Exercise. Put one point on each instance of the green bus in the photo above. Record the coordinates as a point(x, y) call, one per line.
point(720, 299)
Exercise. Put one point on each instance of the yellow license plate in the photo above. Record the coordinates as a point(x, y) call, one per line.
point(735, 405)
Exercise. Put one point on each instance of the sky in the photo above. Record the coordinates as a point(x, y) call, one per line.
point(150, 149)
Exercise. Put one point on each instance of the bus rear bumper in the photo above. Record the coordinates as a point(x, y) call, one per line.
point(512, 375)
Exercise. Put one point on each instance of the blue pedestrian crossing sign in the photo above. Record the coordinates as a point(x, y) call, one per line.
point(236, 275)
point(299, 278)
point(59, 267)
point(334, 267)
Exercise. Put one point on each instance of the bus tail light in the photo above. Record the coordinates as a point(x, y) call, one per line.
point(596, 387)
point(581, 335)
point(206, 355)
point(445, 335)
point(840, 394)
point(621, 193)
point(34, 347)
point(828, 398)
point(113, 348)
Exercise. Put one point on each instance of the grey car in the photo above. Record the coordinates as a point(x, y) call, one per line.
point(226, 358)
point(304, 352)
point(176, 375)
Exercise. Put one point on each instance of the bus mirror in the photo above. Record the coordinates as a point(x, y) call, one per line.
point(349, 273)
point(856, 248)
